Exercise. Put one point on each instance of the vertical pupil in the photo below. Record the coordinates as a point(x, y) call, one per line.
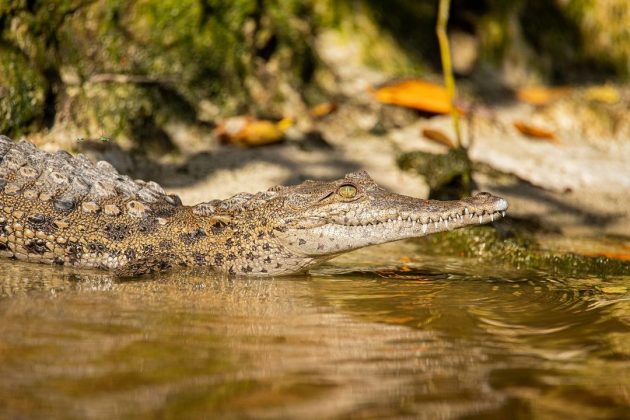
point(347, 191)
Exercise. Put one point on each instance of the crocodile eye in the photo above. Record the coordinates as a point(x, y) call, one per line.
point(347, 191)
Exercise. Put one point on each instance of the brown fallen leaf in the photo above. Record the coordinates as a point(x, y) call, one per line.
point(535, 132)
point(416, 94)
point(250, 132)
point(323, 109)
point(541, 95)
point(438, 137)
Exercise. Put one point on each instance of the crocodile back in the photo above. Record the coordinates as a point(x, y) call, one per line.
point(64, 209)
point(68, 178)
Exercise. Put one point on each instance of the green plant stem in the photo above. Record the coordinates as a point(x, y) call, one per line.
point(447, 68)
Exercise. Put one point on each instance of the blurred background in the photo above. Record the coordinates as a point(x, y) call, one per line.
point(127, 68)
point(526, 317)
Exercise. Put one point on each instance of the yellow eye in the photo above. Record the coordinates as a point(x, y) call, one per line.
point(347, 191)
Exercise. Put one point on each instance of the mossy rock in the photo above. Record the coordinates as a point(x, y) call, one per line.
point(200, 49)
point(22, 93)
point(115, 63)
point(448, 175)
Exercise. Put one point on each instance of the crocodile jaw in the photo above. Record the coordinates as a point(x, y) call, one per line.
point(386, 224)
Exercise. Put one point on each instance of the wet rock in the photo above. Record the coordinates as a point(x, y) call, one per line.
point(448, 175)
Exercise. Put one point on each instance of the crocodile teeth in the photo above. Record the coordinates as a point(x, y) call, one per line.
point(424, 227)
point(492, 217)
point(480, 219)
point(446, 224)
point(503, 213)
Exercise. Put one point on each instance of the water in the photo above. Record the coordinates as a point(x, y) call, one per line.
point(427, 338)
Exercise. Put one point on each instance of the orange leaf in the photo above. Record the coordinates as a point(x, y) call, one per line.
point(614, 255)
point(323, 109)
point(540, 95)
point(535, 132)
point(416, 94)
point(249, 131)
point(438, 137)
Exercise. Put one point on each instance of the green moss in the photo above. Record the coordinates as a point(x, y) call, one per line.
point(557, 41)
point(396, 37)
point(108, 110)
point(518, 250)
point(176, 54)
point(496, 34)
point(204, 50)
point(22, 93)
point(604, 28)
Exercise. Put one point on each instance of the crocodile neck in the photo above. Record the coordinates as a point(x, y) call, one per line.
point(235, 243)
point(65, 210)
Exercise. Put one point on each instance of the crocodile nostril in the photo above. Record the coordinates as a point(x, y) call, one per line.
point(501, 205)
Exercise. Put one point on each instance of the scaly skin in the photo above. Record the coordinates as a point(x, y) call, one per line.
point(60, 209)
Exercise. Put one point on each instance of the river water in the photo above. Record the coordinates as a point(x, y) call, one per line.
point(424, 338)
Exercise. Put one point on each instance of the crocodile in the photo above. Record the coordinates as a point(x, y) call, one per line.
point(56, 208)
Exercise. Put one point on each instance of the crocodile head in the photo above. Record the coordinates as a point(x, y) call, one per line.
point(316, 220)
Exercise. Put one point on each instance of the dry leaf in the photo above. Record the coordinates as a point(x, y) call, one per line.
point(438, 137)
point(605, 94)
point(535, 132)
point(323, 109)
point(416, 94)
point(249, 131)
point(614, 255)
point(541, 95)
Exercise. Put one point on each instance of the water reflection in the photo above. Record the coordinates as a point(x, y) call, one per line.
point(437, 338)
